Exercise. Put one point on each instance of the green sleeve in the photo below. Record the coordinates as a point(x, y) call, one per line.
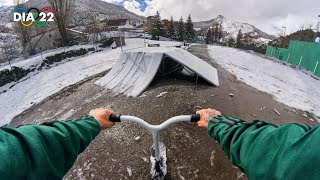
point(44, 151)
point(266, 151)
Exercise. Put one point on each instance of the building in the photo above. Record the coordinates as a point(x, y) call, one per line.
point(112, 25)
point(150, 21)
point(148, 26)
point(165, 23)
point(44, 41)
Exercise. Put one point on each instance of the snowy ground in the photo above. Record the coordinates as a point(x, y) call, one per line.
point(37, 59)
point(289, 86)
point(50, 81)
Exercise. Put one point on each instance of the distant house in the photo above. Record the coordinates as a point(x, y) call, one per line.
point(113, 24)
point(151, 20)
point(165, 23)
point(44, 41)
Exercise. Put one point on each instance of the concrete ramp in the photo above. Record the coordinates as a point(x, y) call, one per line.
point(135, 70)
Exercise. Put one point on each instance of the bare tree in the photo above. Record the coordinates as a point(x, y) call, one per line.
point(93, 29)
point(22, 31)
point(62, 12)
point(9, 50)
point(23, 34)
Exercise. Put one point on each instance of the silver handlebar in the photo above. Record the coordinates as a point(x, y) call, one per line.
point(154, 128)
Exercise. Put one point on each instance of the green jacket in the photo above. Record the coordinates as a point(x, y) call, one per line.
point(262, 150)
point(44, 152)
point(266, 151)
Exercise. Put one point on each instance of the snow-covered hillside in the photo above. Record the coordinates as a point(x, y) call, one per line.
point(289, 86)
point(230, 29)
point(84, 8)
point(102, 10)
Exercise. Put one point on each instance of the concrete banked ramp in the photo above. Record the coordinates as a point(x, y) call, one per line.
point(135, 70)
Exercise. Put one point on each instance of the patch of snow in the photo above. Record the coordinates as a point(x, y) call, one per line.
point(289, 86)
point(145, 159)
point(137, 138)
point(162, 94)
point(38, 58)
point(129, 170)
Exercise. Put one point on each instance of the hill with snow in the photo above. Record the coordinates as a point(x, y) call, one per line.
point(230, 29)
point(83, 9)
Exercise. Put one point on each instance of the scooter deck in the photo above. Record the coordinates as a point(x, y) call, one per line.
point(159, 168)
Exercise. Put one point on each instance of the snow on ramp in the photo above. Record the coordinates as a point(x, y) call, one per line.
point(132, 73)
point(135, 70)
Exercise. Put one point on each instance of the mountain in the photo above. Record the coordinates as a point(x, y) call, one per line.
point(102, 10)
point(230, 29)
point(307, 35)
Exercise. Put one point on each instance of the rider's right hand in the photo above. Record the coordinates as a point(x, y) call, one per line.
point(206, 115)
point(102, 116)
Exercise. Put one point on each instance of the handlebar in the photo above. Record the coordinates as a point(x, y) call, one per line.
point(119, 118)
point(186, 118)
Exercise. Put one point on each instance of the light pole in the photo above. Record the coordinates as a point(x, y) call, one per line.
point(285, 29)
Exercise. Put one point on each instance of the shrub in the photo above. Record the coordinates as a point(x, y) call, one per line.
point(15, 74)
point(61, 56)
point(91, 49)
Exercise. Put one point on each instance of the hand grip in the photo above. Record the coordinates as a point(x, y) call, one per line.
point(115, 117)
point(195, 117)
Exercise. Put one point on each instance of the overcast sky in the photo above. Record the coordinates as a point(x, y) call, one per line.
point(268, 15)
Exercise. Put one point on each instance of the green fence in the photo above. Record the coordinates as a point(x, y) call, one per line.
point(302, 54)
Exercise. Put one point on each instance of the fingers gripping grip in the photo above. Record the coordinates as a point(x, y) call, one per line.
point(115, 118)
point(195, 117)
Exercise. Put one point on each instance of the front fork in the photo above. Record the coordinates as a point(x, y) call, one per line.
point(156, 144)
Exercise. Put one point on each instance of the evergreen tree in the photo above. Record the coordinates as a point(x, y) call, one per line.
point(158, 29)
point(216, 32)
point(190, 33)
point(181, 30)
point(171, 29)
point(239, 38)
point(231, 42)
point(209, 37)
point(220, 34)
